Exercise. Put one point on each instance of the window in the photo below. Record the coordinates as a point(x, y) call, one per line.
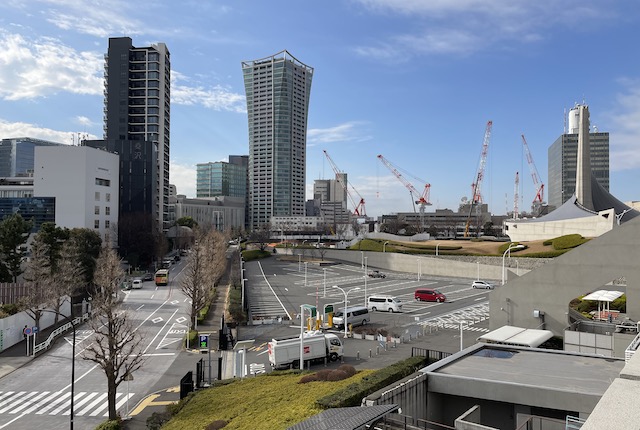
point(107, 197)
point(96, 223)
point(97, 196)
point(107, 224)
point(103, 182)
point(97, 210)
point(107, 210)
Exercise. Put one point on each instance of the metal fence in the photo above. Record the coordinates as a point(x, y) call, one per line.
point(11, 293)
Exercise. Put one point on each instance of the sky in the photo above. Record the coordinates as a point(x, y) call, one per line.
point(414, 80)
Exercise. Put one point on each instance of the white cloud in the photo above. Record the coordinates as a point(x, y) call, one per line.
point(465, 26)
point(348, 132)
point(96, 18)
point(217, 98)
point(32, 69)
point(183, 176)
point(83, 120)
point(10, 130)
point(625, 129)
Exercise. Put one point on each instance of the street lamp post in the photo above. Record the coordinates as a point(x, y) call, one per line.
point(73, 362)
point(346, 294)
point(384, 245)
point(366, 275)
point(419, 267)
point(519, 246)
point(437, 245)
point(324, 282)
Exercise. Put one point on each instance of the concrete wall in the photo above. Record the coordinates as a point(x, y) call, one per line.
point(11, 327)
point(427, 265)
point(591, 226)
point(582, 270)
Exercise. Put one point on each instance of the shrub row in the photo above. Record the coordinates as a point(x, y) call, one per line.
point(568, 241)
point(353, 394)
point(255, 254)
point(343, 372)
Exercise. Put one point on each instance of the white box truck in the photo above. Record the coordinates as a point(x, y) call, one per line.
point(285, 353)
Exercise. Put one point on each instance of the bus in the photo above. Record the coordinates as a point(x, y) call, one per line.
point(162, 277)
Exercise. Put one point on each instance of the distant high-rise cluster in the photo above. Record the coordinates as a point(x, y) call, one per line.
point(277, 91)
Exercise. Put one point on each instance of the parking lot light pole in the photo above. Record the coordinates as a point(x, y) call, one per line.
point(437, 245)
point(346, 294)
point(366, 275)
point(384, 245)
point(519, 246)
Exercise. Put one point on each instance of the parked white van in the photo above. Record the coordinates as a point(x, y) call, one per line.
point(384, 303)
point(357, 315)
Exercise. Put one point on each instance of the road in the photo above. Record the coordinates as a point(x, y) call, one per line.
point(277, 289)
point(38, 394)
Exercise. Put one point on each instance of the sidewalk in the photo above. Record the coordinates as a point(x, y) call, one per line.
point(15, 356)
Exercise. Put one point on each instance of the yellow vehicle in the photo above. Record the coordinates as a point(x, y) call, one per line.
point(162, 277)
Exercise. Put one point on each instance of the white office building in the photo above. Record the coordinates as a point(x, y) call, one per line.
point(84, 181)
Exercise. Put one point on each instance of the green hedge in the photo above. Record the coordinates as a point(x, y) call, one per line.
point(506, 246)
point(569, 241)
point(255, 254)
point(353, 394)
point(110, 425)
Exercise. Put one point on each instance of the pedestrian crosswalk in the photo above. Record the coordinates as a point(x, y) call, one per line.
point(58, 403)
point(467, 317)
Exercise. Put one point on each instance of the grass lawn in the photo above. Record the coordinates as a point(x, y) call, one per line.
point(261, 402)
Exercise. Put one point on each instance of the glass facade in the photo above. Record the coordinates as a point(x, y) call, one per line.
point(17, 156)
point(221, 179)
point(562, 164)
point(38, 209)
point(277, 91)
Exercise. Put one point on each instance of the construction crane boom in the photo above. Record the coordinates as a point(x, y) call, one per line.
point(476, 198)
point(358, 208)
point(419, 198)
point(539, 198)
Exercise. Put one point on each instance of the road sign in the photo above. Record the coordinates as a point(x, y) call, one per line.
point(27, 331)
point(34, 329)
point(204, 341)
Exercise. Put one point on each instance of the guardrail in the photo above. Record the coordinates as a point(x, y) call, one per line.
point(57, 332)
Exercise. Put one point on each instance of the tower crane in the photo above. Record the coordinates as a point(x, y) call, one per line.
point(539, 198)
point(421, 199)
point(476, 197)
point(359, 208)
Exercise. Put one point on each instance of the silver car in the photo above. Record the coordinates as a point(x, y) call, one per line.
point(482, 284)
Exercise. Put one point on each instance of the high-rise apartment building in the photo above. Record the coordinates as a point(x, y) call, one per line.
point(17, 155)
point(136, 122)
point(277, 91)
point(221, 178)
point(330, 200)
point(562, 162)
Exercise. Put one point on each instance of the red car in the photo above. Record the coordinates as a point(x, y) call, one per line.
point(429, 295)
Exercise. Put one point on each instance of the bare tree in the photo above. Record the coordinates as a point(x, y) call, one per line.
point(37, 276)
point(206, 264)
point(117, 347)
point(261, 236)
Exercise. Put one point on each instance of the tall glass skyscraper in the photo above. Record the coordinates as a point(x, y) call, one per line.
point(277, 90)
point(562, 162)
point(136, 123)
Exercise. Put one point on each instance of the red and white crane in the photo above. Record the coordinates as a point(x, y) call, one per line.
point(539, 198)
point(421, 199)
point(476, 197)
point(359, 208)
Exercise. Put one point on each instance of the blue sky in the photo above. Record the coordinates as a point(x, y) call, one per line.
point(415, 81)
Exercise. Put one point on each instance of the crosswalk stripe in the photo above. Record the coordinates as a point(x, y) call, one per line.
point(58, 402)
point(41, 402)
point(30, 402)
point(93, 404)
point(77, 404)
